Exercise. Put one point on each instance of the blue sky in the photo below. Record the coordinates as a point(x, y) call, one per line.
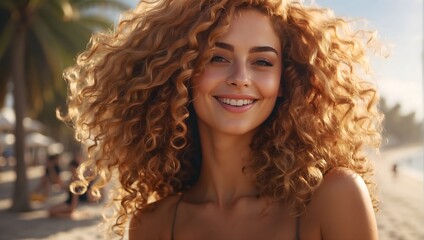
point(399, 24)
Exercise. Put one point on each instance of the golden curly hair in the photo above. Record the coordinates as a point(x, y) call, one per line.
point(129, 101)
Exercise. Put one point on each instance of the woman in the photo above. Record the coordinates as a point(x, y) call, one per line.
point(51, 177)
point(230, 120)
point(67, 208)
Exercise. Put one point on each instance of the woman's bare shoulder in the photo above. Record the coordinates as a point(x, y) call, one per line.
point(153, 221)
point(343, 206)
point(343, 178)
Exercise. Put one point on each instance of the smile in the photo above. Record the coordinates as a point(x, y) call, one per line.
point(236, 102)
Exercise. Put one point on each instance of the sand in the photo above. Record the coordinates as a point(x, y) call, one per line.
point(401, 214)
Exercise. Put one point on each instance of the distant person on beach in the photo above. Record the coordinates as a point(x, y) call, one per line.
point(232, 119)
point(395, 170)
point(67, 208)
point(50, 178)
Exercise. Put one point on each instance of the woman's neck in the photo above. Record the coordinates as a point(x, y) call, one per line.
point(223, 180)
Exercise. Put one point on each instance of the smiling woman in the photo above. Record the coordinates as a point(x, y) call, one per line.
point(238, 89)
point(238, 119)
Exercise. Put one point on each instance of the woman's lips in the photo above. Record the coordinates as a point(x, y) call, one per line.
point(236, 105)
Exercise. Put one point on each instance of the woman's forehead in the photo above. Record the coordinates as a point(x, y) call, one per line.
point(251, 26)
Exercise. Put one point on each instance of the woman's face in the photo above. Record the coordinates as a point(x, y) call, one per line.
point(239, 86)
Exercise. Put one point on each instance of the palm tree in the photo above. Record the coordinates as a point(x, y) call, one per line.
point(39, 38)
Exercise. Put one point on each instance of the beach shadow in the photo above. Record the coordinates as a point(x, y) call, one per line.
point(38, 225)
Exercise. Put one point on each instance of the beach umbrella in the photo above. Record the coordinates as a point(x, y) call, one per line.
point(31, 125)
point(38, 140)
point(7, 139)
point(31, 140)
point(7, 122)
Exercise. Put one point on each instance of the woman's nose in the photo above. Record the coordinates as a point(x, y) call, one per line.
point(239, 76)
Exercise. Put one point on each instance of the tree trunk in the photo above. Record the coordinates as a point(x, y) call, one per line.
point(20, 193)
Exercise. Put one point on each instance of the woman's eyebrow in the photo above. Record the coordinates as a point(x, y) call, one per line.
point(226, 46)
point(230, 47)
point(263, 49)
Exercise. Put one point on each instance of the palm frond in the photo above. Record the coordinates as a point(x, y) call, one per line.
point(7, 33)
point(48, 44)
point(8, 4)
point(71, 35)
point(96, 22)
point(88, 5)
point(54, 40)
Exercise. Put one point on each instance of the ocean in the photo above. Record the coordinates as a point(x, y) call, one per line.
point(413, 165)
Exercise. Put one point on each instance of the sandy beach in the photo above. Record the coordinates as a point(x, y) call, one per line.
point(401, 215)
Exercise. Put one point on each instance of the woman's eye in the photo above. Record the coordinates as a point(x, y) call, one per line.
point(218, 59)
point(264, 63)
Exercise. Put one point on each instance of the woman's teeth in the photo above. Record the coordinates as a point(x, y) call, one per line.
point(236, 102)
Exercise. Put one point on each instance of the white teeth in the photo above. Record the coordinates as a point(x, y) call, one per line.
point(236, 102)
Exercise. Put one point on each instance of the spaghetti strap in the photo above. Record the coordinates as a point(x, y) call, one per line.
point(175, 216)
point(298, 228)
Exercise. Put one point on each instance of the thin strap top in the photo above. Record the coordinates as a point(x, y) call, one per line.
point(297, 228)
point(175, 217)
